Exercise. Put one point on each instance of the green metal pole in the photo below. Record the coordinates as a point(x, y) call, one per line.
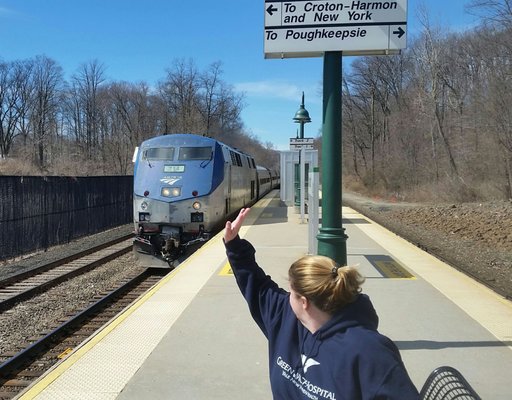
point(298, 166)
point(332, 241)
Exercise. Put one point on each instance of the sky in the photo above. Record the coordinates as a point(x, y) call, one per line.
point(137, 41)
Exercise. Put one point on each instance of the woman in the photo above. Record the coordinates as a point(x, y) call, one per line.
point(323, 339)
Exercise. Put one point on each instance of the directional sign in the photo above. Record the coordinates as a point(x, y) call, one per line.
point(302, 143)
point(309, 28)
point(302, 147)
point(302, 140)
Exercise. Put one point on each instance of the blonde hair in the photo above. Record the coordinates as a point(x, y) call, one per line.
point(322, 281)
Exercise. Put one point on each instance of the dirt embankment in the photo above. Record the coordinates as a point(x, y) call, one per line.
point(473, 237)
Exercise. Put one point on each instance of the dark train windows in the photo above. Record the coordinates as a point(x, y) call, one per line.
point(158, 153)
point(195, 153)
point(235, 158)
point(249, 164)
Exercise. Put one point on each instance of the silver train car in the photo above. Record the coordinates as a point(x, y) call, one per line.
point(185, 187)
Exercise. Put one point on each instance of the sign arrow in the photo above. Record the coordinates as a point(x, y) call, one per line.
point(271, 10)
point(400, 32)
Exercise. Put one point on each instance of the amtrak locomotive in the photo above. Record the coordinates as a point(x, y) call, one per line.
point(186, 187)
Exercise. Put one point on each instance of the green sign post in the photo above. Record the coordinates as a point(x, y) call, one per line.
point(332, 241)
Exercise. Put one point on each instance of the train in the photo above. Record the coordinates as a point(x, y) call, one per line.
point(186, 187)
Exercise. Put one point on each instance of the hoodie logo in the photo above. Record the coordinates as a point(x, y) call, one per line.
point(308, 362)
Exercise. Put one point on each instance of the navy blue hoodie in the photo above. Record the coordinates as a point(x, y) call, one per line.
point(345, 359)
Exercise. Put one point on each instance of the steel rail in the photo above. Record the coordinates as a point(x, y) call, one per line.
point(53, 264)
point(27, 356)
point(21, 293)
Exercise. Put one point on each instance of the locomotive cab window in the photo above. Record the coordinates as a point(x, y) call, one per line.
point(158, 153)
point(195, 153)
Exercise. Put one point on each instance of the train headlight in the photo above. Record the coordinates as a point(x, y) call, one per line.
point(144, 217)
point(144, 206)
point(171, 191)
point(196, 205)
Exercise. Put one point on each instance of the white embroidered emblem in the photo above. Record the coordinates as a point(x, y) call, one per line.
point(308, 362)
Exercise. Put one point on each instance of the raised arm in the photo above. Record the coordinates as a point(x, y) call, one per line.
point(264, 297)
point(232, 228)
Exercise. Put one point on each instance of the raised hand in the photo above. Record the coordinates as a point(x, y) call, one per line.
point(232, 228)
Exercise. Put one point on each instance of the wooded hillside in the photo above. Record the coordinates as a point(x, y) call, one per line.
point(435, 121)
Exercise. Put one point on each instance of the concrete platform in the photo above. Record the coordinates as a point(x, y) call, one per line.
point(191, 337)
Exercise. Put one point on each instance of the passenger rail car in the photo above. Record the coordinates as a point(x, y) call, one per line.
point(186, 187)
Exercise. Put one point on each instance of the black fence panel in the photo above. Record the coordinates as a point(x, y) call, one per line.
point(39, 212)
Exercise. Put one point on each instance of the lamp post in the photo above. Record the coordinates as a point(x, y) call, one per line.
point(301, 117)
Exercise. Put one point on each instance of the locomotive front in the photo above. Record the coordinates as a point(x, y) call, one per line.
point(174, 176)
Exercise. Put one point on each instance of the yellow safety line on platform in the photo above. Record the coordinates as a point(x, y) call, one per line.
point(393, 270)
point(226, 270)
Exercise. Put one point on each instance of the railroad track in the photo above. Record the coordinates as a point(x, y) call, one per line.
point(27, 284)
point(18, 371)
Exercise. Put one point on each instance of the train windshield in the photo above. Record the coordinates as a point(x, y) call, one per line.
point(195, 153)
point(158, 153)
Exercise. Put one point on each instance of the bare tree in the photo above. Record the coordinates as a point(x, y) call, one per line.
point(493, 12)
point(432, 64)
point(211, 86)
point(351, 117)
point(15, 100)
point(8, 115)
point(219, 106)
point(24, 86)
point(229, 108)
point(48, 80)
point(74, 115)
point(369, 91)
point(86, 84)
point(180, 93)
point(130, 114)
point(495, 100)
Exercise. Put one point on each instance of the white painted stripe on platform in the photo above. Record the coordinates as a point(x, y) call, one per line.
point(491, 310)
point(102, 366)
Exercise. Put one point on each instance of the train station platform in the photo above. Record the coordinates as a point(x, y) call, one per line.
point(191, 336)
